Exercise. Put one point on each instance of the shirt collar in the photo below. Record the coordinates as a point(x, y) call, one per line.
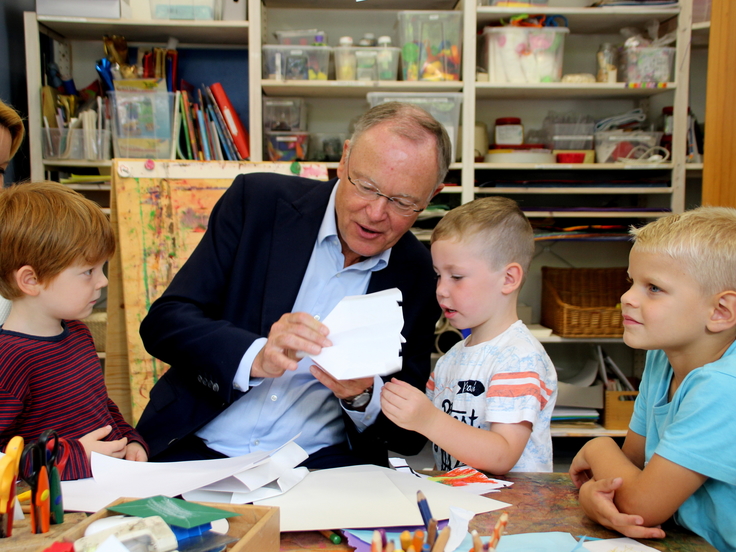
point(328, 231)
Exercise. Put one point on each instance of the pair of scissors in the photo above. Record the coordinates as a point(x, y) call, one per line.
point(8, 477)
point(40, 459)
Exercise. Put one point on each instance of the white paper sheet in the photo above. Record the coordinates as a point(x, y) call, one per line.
point(616, 545)
point(368, 496)
point(365, 331)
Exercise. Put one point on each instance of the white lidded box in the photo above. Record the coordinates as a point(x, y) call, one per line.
point(621, 145)
point(106, 9)
point(443, 106)
point(284, 62)
point(524, 54)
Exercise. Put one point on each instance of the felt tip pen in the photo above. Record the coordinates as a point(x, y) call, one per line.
point(332, 536)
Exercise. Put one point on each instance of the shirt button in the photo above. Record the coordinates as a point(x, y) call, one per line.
point(316, 317)
point(337, 275)
point(256, 442)
point(274, 397)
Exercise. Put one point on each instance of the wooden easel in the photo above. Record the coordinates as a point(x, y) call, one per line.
point(159, 214)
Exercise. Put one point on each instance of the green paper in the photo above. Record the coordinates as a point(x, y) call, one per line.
point(174, 511)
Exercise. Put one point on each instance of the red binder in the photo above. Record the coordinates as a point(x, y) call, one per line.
point(234, 125)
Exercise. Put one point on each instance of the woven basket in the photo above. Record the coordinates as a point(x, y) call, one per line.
point(97, 324)
point(583, 302)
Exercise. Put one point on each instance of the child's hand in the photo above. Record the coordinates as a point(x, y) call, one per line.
point(92, 442)
point(596, 498)
point(135, 452)
point(580, 471)
point(406, 406)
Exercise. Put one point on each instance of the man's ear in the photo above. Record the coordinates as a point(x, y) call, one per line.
point(27, 281)
point(723, 316)
point(512, 278)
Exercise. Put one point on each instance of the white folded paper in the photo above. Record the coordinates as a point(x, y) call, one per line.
point(365, 331)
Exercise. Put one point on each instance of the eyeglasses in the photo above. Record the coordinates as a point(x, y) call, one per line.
point(400, 205)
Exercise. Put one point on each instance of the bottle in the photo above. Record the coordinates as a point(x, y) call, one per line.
point(369, 40)
point(607, 63)
point(345, 59)
point(386, 67)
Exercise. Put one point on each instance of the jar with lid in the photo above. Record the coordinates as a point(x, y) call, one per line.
point(607, 57)
point(369, 39)
point(384, 61)
point(345, 59)
point(509, 131)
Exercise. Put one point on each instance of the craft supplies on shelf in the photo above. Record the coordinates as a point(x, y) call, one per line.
point(524, 54)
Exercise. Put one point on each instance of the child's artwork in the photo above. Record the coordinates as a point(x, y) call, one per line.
point(471, 480)
point(162, 210)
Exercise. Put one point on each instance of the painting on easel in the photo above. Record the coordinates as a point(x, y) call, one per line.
point(160, 210)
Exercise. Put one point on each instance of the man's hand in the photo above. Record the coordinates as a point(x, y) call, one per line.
point(407, 406)
point(596, 498)
point(295, 334)
point(343, 389)
point(135, 452)
point(92, 442)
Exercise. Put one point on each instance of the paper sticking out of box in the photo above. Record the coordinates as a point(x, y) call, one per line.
point(365, 331)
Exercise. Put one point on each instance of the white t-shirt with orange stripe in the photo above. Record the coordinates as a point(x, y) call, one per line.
point(509, 379)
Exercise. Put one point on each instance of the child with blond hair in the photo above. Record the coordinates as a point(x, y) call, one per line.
point(678, 456)
point(490, 398)
point(53, 245)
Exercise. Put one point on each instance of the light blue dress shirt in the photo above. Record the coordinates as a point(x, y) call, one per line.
point(277, 409)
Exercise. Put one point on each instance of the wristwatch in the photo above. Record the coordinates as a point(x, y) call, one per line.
point(359, 401)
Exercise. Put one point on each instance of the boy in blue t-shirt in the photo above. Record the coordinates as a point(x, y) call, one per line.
point(678, 456)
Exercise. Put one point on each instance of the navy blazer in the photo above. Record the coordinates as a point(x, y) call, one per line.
point(242, 277)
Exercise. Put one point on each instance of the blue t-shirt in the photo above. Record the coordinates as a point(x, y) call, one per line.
point(697, 430)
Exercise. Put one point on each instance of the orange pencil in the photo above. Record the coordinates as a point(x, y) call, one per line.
point(418, 540)
point(498, 531)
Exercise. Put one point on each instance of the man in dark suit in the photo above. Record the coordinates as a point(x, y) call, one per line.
point(278, 254)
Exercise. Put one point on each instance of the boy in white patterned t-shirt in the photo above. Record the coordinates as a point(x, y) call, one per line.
point(490, 398)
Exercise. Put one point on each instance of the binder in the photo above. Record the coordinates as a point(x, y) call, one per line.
point(234, 125)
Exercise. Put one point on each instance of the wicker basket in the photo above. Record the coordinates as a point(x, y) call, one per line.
point(583, 302)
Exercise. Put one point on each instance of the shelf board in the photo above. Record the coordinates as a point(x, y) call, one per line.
point(76, 163)
point(584, 20)
point(565, 90)
point(159, 30)
point(701, 33)
point(372, 5)
point(571, 190)
point(593, 214)
point(573, 166)
point(557, 339)
point(599, 431)
point(693, 166)
point(352, 89)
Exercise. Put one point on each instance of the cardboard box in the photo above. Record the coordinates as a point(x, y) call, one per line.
point(578, 396)
point(257, 527)
point(108, 9)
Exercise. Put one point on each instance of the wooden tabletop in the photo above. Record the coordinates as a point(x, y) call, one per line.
point(540, 502)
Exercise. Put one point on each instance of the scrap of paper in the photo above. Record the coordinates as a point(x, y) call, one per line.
point(173, 511)
point(365, 331)
point(470, 480)
point(616, 545)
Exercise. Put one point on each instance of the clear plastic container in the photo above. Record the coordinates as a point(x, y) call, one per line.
point(326, 146)
point(284, 114)
point(183, 9)
point(367, 64)
point(76, 144)
point(301, 38)
point(143, 124)
point(570, 136)
point(612, 145)
point(287, 146)
point(431, 45)
point(524, 54)
point(445, 107)
point(296, 62)
point(646, 64)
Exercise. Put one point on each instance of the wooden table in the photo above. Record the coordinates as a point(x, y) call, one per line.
point(539, 502)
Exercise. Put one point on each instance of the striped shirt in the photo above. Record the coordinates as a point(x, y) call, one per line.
point(56, 383)
point(509, 379)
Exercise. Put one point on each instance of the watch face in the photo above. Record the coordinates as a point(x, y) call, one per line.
point(361, 400)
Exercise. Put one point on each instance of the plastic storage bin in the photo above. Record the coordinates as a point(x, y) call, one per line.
point(445, 107)
point(284, 114)
point(183, 9)
point(287, 146)
point(646, 64)
point(306, 37)
point(76, 144)
point(431, 45)
point(296, 62)
point(570, 136)
point(326, 146)
point(524, 54)
point(614, 145)
point(366, 64)
point(143, 124)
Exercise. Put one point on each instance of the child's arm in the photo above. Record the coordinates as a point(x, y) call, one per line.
point(495, 451)
point(653, 492)
point(92, 442)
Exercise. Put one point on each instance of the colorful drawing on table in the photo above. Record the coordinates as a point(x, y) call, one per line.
point(471, 480)
point(162, 211)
